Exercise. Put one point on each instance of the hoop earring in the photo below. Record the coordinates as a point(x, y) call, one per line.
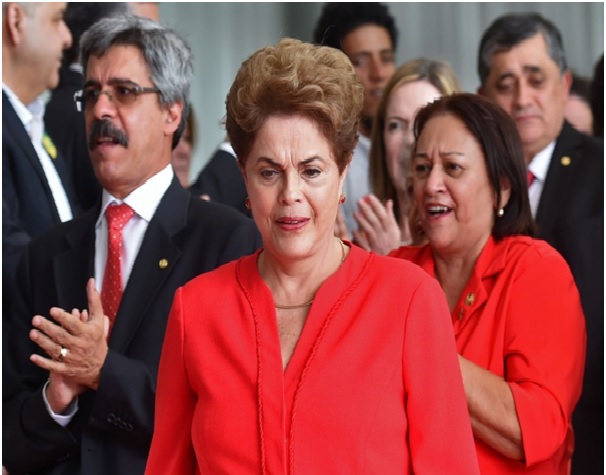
point(342, 198)
point(500, 213)
point(247, 202)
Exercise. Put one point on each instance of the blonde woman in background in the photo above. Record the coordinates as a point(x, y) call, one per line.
point(383, 217)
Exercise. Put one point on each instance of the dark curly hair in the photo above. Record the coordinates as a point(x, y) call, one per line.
point(339, 19)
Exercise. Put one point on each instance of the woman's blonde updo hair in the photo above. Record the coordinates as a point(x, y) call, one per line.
point(296, 78)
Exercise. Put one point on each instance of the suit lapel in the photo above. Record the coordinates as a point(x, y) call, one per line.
point(16, 129)
point(156, 261)
point(561, 168)
point(75, 266)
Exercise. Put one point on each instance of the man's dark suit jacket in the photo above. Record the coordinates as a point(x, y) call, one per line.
point(28, 207)
point(65, 125)
point(112, 430)
point(571, 218)
point(222, 180)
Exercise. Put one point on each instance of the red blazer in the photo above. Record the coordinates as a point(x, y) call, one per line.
point(520, 317)
point(373, 386)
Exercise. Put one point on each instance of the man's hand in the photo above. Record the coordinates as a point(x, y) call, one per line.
point(77, 345)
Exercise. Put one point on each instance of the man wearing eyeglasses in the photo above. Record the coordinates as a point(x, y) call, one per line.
point(89, 363)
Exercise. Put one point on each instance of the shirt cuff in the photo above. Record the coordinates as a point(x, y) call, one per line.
point(67, 416)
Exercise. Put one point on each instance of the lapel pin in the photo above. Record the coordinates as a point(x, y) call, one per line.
point(163, 264)
point(565, 161)
point(49, 146)
point(469, 300)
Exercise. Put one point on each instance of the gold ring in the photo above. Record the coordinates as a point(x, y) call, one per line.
point(62, 353)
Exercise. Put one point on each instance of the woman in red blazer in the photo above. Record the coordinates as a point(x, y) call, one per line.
point(311, 356)
point(515, 310)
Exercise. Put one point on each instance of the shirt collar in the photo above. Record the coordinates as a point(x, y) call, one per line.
point(540, 163)
point(145, 199)
point(23, 112)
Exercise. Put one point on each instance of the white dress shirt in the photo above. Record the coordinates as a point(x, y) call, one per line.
point(32, 117)
point(357, 181)
point(144, 201)
point(539, 166)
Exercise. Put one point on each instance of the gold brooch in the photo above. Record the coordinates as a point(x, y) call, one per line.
point(49, 146)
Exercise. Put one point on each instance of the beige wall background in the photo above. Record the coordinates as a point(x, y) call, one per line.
point(224, 34)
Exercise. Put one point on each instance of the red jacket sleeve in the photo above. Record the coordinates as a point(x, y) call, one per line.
point(546, 353)
point(171, 449)
point(441, 440)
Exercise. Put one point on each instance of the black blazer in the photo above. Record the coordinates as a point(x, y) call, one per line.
point(112, 430)
point(28, 208)
point(222, 180)
point(571, 218)
point(65, 125)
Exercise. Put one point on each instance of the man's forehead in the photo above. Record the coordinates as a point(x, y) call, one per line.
point(524, 58)
point(367, 38)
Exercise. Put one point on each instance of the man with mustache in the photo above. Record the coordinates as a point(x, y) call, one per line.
point(523, 68)
point(88, 366)
point(367, 34)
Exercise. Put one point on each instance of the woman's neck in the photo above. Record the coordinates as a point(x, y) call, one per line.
point(453, 271)
point(296, 281)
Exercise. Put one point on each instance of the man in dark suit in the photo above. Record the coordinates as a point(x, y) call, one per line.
point(87, 401)
point(523, 68)
point(36, 186)
point(64, 123)
point(221, 180)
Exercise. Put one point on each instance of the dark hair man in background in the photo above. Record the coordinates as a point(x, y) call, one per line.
point(367, 34)
point(522, 67)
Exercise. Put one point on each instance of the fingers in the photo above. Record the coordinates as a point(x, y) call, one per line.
point(50, 346)
point(57, 333)
point(361, 239)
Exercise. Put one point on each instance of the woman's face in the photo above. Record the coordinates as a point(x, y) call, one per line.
point(293, 183)
point(453, 194)
point(402, 107)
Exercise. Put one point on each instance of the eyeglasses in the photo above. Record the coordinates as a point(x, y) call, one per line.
point(120, 94)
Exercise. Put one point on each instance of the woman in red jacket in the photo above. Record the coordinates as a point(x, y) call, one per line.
point(514, 305)
point(311, 356)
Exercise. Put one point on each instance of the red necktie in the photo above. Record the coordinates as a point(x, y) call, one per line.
point(530, 177)
point(111, 293)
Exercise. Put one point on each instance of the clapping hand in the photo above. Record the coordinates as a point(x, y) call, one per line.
point(378, 229)
point(77, 346)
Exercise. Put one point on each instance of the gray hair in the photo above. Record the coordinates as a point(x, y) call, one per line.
point(510, 30)
point(166, 54)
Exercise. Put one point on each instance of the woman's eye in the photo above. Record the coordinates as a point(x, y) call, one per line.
point(393, 126)
point(311, 172)
point(454, 169)
point(268, 173)
point(421, 170)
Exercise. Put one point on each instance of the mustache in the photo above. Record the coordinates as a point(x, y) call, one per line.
point(105, 129)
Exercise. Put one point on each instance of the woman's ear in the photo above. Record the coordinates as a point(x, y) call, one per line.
point(505, 192)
